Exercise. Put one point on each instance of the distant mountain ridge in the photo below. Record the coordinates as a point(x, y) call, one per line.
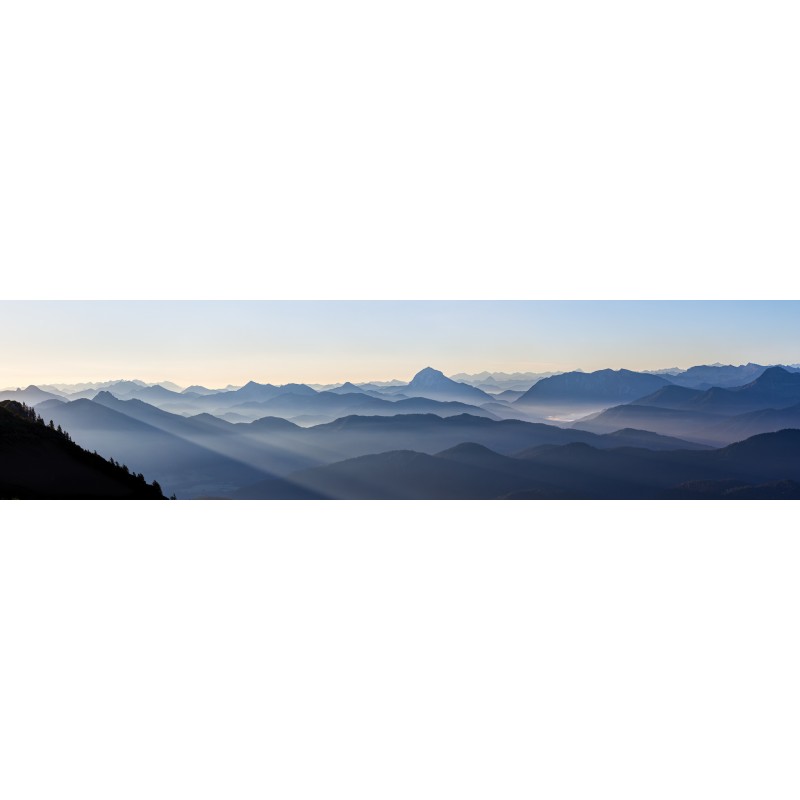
point(435, 385)
point(717, 416)
point(768, 464)
point(603, 387)
point(775, 387)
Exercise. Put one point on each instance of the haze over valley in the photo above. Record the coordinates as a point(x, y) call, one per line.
point(708, 431)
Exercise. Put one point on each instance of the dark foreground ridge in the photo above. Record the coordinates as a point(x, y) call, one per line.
point(40, 462)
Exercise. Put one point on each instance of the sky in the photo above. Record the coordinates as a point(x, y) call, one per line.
point(216, 343)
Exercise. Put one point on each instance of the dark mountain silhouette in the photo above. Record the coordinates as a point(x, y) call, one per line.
point(434, 385)
point(39, 462)
point(733, 490)
point(600, 389)
point(397, 475)
point(766, 465)
point(633, 472)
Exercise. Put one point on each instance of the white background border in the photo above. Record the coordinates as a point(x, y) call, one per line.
point(423, 150)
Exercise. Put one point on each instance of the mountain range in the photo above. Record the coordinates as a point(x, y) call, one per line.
point(201, 442)
point(769, 463)
point(715, 416)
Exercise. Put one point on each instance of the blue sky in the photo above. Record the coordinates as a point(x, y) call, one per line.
point(221, 342)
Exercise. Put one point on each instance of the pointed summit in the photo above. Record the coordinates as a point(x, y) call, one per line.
point(430, 377)
point(776, 376)
point(435, 385)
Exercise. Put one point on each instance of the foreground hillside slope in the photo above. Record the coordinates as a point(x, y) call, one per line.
point(39, 462)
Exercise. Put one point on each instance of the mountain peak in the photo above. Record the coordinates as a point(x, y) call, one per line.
point(776, 376)
point(428, 375)
point(774, 372)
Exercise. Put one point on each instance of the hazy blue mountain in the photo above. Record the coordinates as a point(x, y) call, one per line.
point(742, 426)
point(774, 388)
point(672, 396)
point(220, 402)
point(146, 445)
point(501, 410)
point(666, 372)
point(204, 455)
point(347, 388)
point(434, 385)
point(471, 471)
point(121, 388)
point(69, 389)
point(83, 394)
point(633, 472)
point(397, 475)
point(329, 406)
point(695, 426)
point(200, 390)
point(382, 384)
point(309, 420)
point(204, 390)
point(725, 375)
point(359, 435)
point(502, 381)
point(151, 394)
point(253, 391)
point(260, 446)
point(633, 437)
point(600, 389)
point(50, 389)
point(37, 462)
point(29, 396)
point(510, 395)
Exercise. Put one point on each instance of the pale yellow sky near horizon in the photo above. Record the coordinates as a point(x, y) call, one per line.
point(216, 343)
